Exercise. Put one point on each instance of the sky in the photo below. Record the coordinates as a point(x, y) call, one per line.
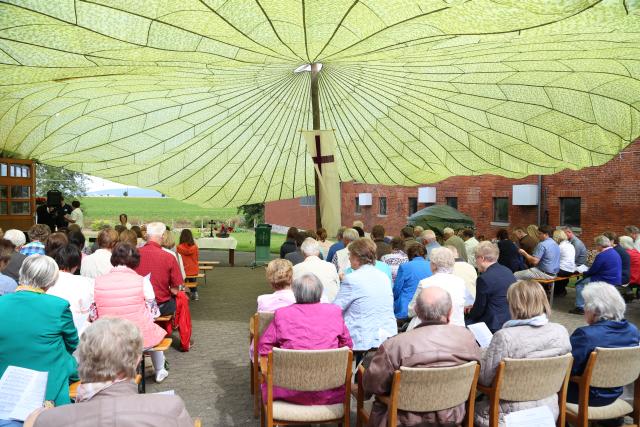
point(97, 184)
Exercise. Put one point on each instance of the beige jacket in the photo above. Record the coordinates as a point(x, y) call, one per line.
point(430, 344)
point(119, 405)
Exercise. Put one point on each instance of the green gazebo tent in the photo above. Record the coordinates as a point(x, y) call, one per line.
point(439, 217)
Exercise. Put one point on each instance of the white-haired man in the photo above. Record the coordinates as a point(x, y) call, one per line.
point(435, 342)
point(429, 241)
point(163, 267)
point(325, 271)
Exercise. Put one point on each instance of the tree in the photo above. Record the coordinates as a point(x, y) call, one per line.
point(125, 193)
point(71, 184)
point(253, 213)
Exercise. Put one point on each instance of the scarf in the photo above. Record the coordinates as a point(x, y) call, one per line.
point(540, 320)
point(86, 391)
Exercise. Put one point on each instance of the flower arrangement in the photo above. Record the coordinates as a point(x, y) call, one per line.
point(222, 229)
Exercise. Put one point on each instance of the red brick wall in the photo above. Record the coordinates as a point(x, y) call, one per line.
point(608, 199)
point(289, 213)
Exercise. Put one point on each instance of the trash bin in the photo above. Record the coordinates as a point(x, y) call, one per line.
point(263, 244)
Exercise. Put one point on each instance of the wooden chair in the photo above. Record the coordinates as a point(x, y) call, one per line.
point(424, 390)
point(162, 346)
point(521, 380)
point(166, 318)
point(607, 367)
point(257, 325)
point(208, 263)
point(307, 370)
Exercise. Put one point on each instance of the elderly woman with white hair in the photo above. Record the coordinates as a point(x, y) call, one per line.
point(606, 327)
point(442, 262)
point(325, 271)
point(307, 325)
point(607, 267)
point(341, 258)
point(37, 329)
point(18, 239)
point(108, 355)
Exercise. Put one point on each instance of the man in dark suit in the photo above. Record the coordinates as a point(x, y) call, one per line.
point(491, 305)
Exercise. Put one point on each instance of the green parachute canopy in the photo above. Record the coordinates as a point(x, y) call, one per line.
point(439, 217)
point(199, 100)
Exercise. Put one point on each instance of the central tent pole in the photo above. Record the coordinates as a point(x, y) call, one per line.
point(315, 112)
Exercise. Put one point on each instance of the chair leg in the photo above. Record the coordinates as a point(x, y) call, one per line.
point(251, 386)
point(142, 385)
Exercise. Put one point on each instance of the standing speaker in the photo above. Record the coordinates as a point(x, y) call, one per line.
point(54, 197)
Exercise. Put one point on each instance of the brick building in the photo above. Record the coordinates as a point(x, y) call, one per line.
point(596, 199)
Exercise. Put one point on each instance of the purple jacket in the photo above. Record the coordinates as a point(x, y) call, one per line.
point(306, 327)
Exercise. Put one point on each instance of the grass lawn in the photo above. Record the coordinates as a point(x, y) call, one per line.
point(142, 209)
point(171, 212)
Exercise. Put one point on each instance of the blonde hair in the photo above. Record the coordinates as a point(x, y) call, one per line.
point(279, 273)
point(168, 241)
point(109, 349)
point(527, 299)
point(532, 231)
point(559, 236)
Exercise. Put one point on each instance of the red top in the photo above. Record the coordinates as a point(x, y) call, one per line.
point(164, 269)
point(634, 255)
point(190, 257)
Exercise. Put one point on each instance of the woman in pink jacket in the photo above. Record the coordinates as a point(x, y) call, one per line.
point(121, 293)
point(307, 325)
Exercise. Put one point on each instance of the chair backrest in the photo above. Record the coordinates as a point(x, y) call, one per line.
point(615, 367)
point(310, 370)
point(264, 320)
point(433, 389)
point(533, 379)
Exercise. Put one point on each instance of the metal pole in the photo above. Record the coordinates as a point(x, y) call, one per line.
point(315, 112)
point(539, 200)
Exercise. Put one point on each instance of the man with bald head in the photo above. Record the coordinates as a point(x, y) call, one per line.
point(435, 342)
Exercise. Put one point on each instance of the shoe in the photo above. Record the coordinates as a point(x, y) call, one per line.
point(161, 375)
point(196, 297)
point(576, 310)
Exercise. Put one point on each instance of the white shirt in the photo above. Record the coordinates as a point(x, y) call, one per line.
point(325, 271)
point(96, 264)
point(636, 244)
point(567, 256)
point(179, 259)
point(456, 288)
point(343, 260)
point(470, 246)
point(78, 217)
point(466, 272)
point(78, 291)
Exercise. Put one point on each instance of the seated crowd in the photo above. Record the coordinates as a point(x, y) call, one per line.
point(91, 314)
point(432, 290)
point(394, 301)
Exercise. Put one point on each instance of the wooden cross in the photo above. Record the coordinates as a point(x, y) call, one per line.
point(319, 159)
point(211, 223)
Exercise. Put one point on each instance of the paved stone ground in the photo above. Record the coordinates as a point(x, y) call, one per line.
point(213, 378)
